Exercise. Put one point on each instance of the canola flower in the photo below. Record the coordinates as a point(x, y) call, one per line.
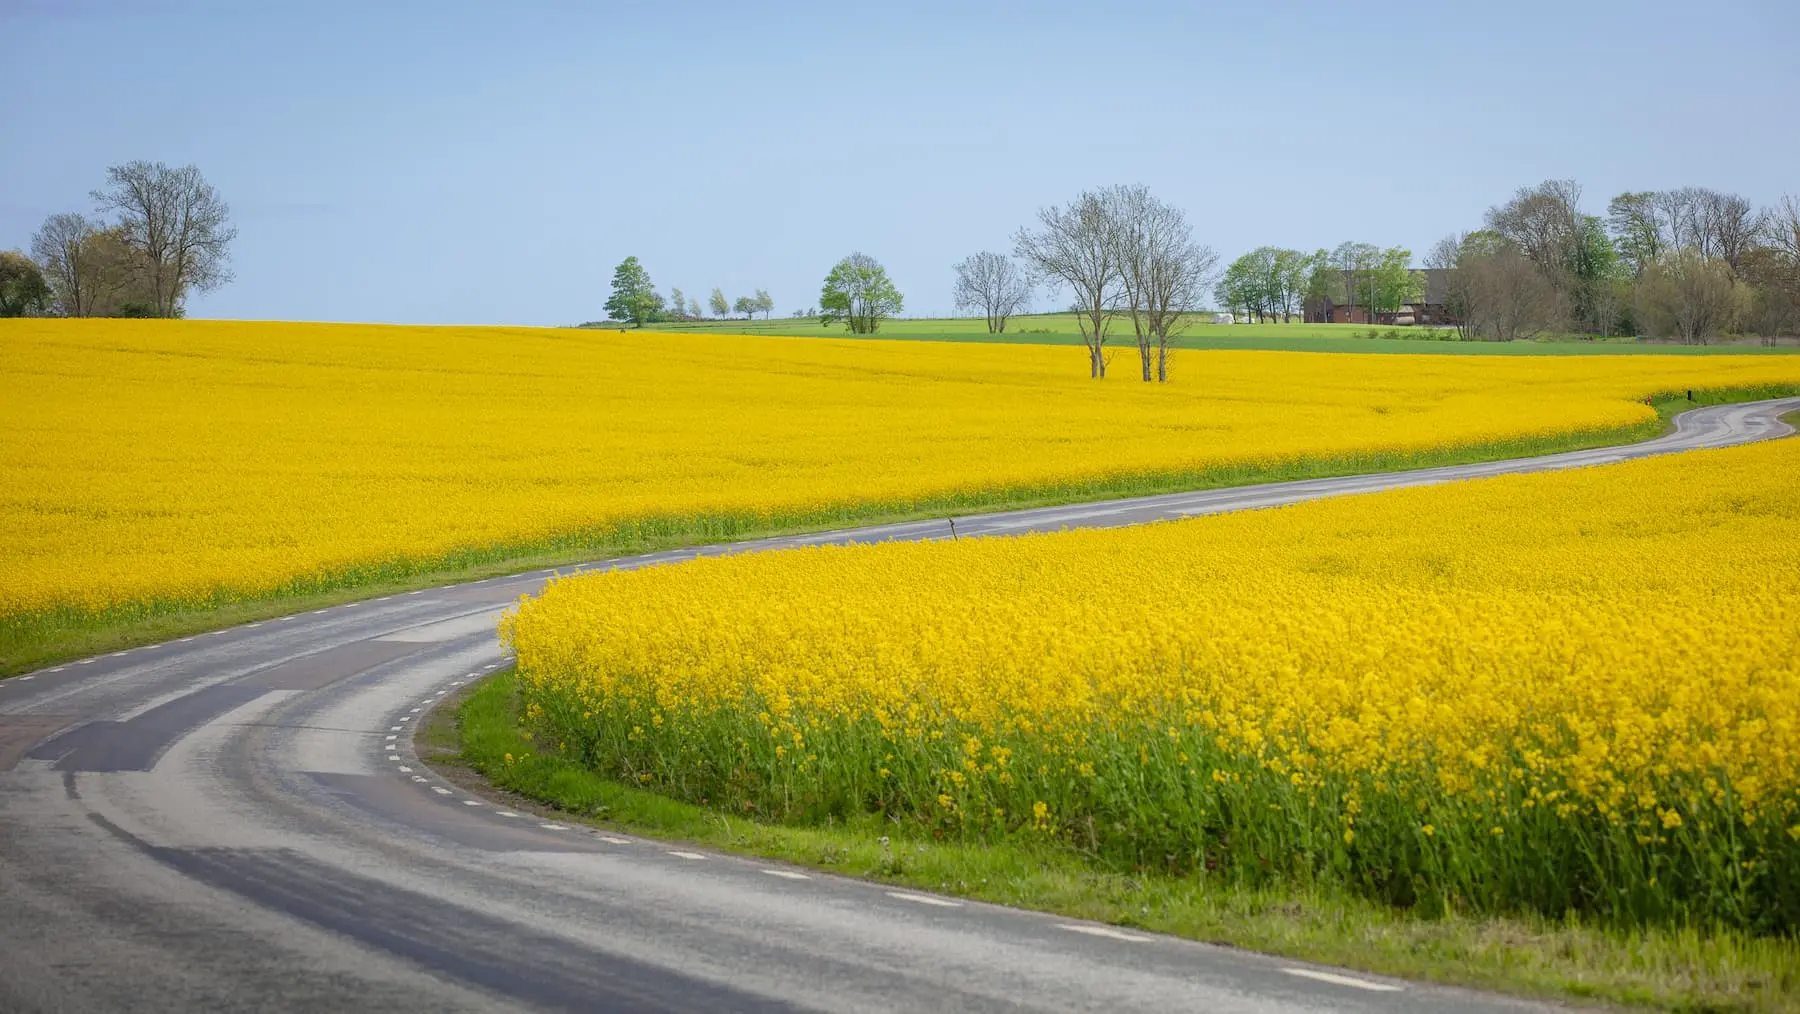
point(151, 463)
point(1568, 691)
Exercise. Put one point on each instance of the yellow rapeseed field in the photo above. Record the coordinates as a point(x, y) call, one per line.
point(1568, 691)
point(150, 463)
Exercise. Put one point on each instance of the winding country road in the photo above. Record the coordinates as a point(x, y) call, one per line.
point(237, 821)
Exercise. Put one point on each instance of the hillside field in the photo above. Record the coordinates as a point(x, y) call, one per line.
point(155, 467)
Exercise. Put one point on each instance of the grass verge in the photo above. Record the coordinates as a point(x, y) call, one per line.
point(476, 740)
point(33, 641)
point(1202, 335)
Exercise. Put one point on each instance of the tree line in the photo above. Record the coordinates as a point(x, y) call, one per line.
point(169, 235)
point(635, 301)
point(1690, 264)
point(1272, 283)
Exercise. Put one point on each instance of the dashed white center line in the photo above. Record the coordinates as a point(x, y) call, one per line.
point(26, 679)
point(59, 668)
point(1102, 931)
point(505, 813)
point(419, 778)
point(405, 718)
point(471, 802)
point(405, 770)
point(1342, 980)
point(553, 827)
point(316, 612)
point(415, 711)
point(393, 728)
point(686, 855)
point(924, 899)
point(440, 790)
point(392, 736)
point(85, 661)
point(615, 841)
point(787, 874)
point(485, 668)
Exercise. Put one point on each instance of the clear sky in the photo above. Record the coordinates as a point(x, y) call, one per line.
point(443, 162)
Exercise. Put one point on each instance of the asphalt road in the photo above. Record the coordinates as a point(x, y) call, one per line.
point(237, 821)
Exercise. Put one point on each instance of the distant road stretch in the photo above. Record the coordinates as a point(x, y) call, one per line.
point(237, 821)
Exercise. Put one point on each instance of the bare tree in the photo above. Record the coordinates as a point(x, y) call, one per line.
point(1545, 224)
point(992, 283)
point(1639, 225)
point(1165, 274)
point(1689, 296)
point(63, 248)
point(1781, 230)
point(1507, 297)
point(1446, 255)
point(1074, 246)
point(1730, 227)
point(1773, 306)
point(177, 221)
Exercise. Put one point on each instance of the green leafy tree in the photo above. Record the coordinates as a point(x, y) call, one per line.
point(677, 303)
point(858, 294)
point(634, 298)
point(765, 303)
point(1266, 283)
point(22, 286)
point(1392, 281)
point(1241, 288)
point(719, 306)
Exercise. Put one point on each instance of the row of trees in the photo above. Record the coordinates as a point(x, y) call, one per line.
point(169, 236)
point(1272, 283)
point(634, 300)
point(1689, 264)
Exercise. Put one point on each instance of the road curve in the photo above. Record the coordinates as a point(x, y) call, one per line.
point(238, 821)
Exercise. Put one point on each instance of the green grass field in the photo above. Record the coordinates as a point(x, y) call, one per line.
point(1060, 329)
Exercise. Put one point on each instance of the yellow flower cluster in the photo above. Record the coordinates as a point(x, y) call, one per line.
point(170, 461)
point(1565, 691)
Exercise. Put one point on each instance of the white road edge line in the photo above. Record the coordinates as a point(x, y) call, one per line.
point(924, 899)
point(615, 841)
point(471, 802)
point(553, 827)
point(440, 790)
point(1102, 931)
point(686, 855)
point(1343, 980)
point(787, 874)
point(505, 813)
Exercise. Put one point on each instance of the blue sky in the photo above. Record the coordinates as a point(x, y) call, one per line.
point(435, 162)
